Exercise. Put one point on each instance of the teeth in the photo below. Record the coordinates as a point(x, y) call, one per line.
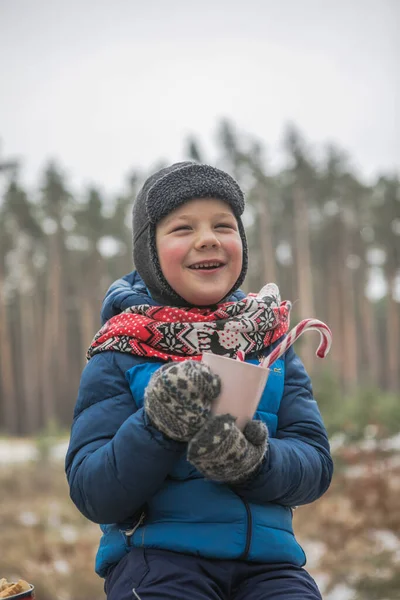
point(204, 265)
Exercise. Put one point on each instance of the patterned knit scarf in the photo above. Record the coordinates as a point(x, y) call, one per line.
point(169, 333)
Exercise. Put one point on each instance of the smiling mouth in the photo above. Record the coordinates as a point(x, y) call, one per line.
point(207, 266)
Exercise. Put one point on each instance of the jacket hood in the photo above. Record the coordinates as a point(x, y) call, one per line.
point(130, 290)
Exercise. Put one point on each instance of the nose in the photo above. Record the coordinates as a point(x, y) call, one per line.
point(206, 238)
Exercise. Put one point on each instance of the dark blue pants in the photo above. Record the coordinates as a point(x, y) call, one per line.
point(150, 574)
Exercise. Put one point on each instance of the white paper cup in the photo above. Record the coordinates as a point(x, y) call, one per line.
point(242, 387)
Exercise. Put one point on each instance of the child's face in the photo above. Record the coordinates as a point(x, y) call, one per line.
point(200, 231)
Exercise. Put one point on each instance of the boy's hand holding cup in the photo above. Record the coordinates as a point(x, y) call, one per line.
point(179, 396)
point(231, 445)
point(187, 403)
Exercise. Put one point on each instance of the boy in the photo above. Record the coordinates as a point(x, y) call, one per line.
point(190, 506)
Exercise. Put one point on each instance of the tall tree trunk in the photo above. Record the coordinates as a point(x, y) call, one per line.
point(267, 245)
point(60, 341)
point(348, 338)
point(392, 338)
point(369, 339)
point(50, 380)
point(334, 315)
point(303, 266)
point(30, 362)
point(7, 381)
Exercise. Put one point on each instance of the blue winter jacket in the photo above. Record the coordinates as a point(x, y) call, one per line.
point(127, 476)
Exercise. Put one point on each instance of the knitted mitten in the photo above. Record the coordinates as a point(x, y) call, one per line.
point(178, 398)
point(221, 452)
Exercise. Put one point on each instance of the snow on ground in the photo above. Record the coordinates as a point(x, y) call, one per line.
point(314, 550)
point(23, 449)
point(15, 451)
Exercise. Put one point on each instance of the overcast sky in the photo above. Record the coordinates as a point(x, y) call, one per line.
point(106, 86)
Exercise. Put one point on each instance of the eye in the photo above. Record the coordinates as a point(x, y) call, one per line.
point(225, 226)
point(181, 228)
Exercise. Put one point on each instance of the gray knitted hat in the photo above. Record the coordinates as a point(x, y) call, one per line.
point(161, 194)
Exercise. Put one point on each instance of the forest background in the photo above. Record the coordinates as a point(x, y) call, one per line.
point(295, 100)
point(333, 244)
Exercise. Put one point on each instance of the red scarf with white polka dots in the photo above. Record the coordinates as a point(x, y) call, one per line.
point(168, 333)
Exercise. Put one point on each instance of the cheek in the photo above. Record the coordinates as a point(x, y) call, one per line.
point(171, 255)
point(235, 249)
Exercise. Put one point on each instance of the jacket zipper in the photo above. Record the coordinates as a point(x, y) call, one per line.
point(249, 532)
point(129, 532)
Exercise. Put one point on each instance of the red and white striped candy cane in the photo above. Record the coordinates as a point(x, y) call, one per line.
point(240, 355)
point(295, 333)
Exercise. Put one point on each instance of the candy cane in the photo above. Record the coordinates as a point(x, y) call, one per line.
point(295, 333)
point(240, 355)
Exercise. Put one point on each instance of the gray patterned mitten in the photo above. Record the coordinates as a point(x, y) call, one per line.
point(221, 452)
point(178, 398)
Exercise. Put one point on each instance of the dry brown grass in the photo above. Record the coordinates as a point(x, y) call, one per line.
point(44, 539)
point(357, 524)
point(349, 532)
